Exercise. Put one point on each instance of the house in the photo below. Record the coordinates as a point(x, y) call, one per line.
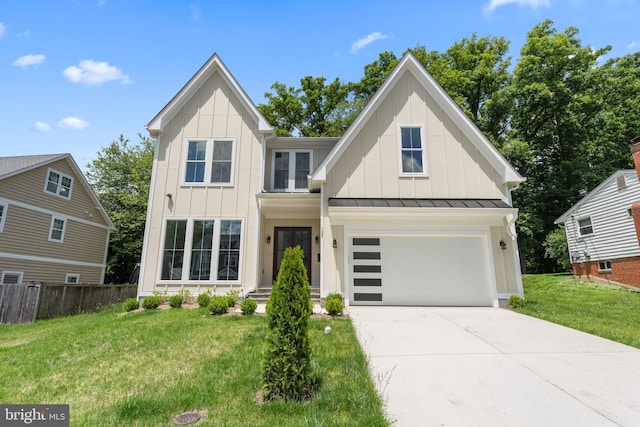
point(411, 206)
point(52, 226)
point(602, 227)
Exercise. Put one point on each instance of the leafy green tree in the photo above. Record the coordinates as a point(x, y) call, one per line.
point(121, 175)
point(286, 367)
point(555, 248)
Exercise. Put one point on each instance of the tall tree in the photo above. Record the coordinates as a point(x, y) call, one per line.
point(121, 176)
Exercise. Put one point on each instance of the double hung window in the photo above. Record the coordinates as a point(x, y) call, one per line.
point(58, 183)
point(585, 227)
point(56, 231)
point(209, 161)
point(194, 248)
point(412, 150)
point(290, 170)
point(3, 214)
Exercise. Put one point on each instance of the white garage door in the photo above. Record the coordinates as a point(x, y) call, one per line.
point(421, 270)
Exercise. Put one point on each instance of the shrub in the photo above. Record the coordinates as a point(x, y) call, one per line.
point(286, 367)
point(248, 306)
point(218, 305)
point(231, 300)
point(163, 295)
point(131, 304)
point(152, 302)
point(333, 304)
point(204, 300)
point(187, 298)
point(516, 301)
point(175, 301)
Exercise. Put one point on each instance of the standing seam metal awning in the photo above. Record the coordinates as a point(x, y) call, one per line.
point(418, 203)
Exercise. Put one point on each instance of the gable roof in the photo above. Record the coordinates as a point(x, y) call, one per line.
point(409, 63)
point(10, 166)
point(213, 64)
point(593, 193)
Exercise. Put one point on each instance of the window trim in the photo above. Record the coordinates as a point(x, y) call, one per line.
point(57, 192)
point(3, 217)
point(64, 228)
point(423, 146)
point(208, 161)
point(291, 181)
point(605, 262)
point(213, 277)
point(579, 228)
point(69, 276)
point(20, 275)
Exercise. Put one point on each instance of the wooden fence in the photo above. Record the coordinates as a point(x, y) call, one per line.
point(26, 303)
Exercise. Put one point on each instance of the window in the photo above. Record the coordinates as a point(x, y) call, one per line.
point(214, 245)
point(412, 150)
point(56, 232)
point(3, 214)
point(604, 265)
point(209, 162)
point(58, 184)
point(290, 170)
point(584, 227)
point(11, 277)
point(629, 212)
point(72, 279)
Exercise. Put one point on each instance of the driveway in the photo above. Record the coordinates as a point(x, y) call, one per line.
point(494, 367)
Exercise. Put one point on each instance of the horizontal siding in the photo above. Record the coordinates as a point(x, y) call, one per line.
point(614, 232)
point(27, 232)
point(28, 187)
point(47, 272)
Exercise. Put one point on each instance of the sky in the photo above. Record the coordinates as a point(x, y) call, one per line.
point(77, 74)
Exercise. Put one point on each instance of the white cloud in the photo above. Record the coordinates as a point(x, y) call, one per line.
point(534, 4)
point(3, 30)
point(94, 73)
point(73, 123)
point(41, 127)
point(365, 41)
point(633, 45)
point(31, 59)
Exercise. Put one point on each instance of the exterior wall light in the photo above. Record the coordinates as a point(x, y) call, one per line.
point(317, 240)
point(503, 245)
point(335, 243)
point(268, 240)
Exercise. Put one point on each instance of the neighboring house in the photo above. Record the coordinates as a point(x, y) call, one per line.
point(52, 226)
point(601, 233)
point(411, 206)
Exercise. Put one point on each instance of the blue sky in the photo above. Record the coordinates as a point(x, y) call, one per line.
point(75, 74)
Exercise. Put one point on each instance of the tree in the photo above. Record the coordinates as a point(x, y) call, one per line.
point(121, 176)
point(555, 248)
point(286, 368)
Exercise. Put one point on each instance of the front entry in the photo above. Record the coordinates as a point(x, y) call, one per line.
point(288, 237)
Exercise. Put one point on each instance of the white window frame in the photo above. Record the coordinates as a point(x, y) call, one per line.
point(210, 142)
point(69, 276)
point(57, 192)
point(423, 149)
point(604, 262)
point(20, 275)
point(186, 263)
point(64, 228)
point(579, 228)
point(3, 216)
point(291, 181)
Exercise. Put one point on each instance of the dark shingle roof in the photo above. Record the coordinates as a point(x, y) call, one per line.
point(12, 165)
point(419, 203)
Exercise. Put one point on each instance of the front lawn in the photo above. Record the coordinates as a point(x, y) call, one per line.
point(608, 311)
point(145, 368)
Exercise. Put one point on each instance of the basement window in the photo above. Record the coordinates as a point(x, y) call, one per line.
point(604, 265)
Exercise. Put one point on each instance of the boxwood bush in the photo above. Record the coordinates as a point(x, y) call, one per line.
point(151, 302)
point(131, 304)
point(175, 301)
point(333, 304)
point(218, 305)
point(204, 300)
point(248, 306)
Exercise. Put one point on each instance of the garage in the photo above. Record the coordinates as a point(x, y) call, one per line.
point(444, 269)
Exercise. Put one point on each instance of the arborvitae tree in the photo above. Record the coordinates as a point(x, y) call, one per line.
point(286, 368)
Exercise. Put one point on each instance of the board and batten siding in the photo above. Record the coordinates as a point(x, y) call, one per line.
point(370, 165)
point(28, 188)
point(614, 235)
point(213, 112)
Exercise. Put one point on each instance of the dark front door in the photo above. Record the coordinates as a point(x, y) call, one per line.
point(288, 237)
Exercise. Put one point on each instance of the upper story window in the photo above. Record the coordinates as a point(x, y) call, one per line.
point(56, 232)
point(209, 161)
point(412, 146)
point(3, 214)
point(584, 227)
point(58, 184)
point(290, 170)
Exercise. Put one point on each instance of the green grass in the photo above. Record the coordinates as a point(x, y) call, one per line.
point(608, 311)
point(145, 368)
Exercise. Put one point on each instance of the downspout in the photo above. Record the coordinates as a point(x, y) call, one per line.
point(321, 239)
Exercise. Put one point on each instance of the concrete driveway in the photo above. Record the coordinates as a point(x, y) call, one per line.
point(493, 367)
